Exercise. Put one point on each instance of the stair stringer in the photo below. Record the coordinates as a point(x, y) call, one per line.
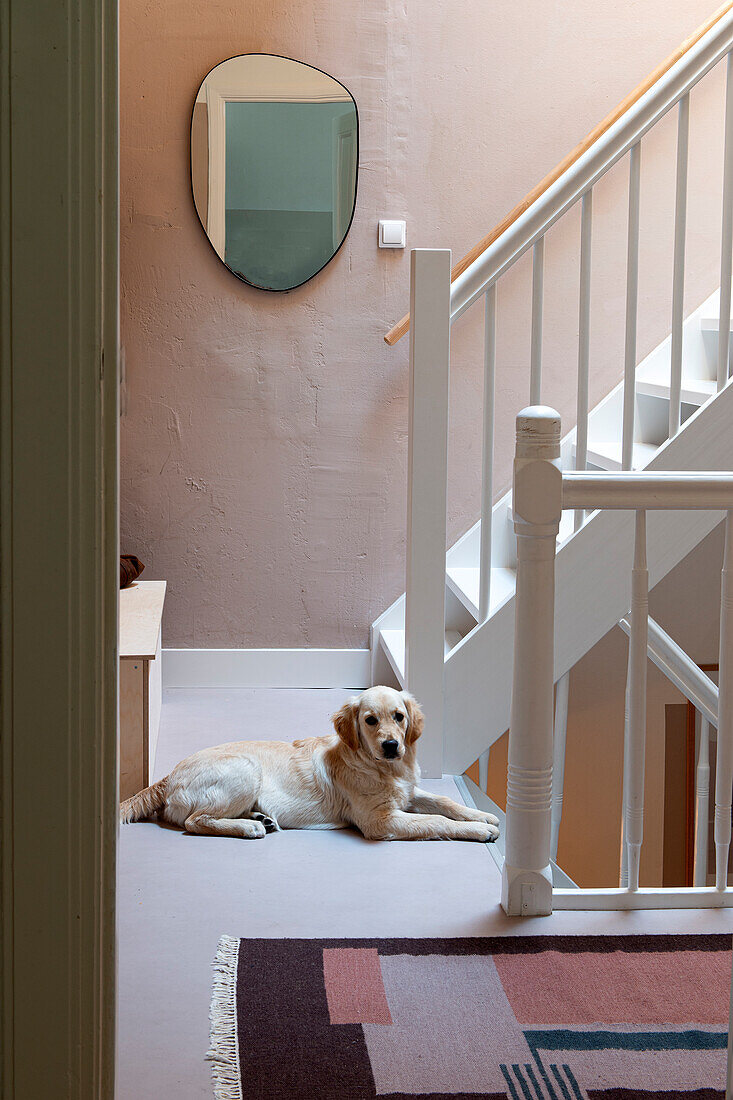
point(592, 590)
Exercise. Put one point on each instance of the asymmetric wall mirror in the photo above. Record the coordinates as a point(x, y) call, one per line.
point(274, 152)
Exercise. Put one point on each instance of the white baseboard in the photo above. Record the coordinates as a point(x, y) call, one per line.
point(272, 668)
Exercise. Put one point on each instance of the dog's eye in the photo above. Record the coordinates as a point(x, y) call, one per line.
point(370, 720)
point(398, 716)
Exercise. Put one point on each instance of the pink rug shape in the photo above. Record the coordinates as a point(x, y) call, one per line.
point(559, 989)
point(354, 986)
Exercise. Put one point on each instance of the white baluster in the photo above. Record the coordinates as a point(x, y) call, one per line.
point(636, 741)
point(535, 368)
point(483, 771)
point(702, 806)
point(678, 281)
point(632, 299)
point(558, 759)
point(537, 507)
point(426, 509)
point(623, 878)
point(487, 471)
point(726, 236)
point(724, 757)
point(581, 448)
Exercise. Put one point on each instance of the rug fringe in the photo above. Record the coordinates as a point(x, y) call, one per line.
point(223, 1051)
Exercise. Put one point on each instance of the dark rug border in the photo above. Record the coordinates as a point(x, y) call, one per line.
point(513, 945)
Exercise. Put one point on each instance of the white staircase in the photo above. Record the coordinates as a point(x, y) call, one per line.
point(593, 578)
point(450, 638)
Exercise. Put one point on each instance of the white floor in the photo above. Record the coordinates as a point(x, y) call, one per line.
point(178, 894)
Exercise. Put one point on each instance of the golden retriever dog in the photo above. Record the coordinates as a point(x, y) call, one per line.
point(365, 774)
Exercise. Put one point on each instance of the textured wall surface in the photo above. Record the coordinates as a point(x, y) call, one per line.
point(264, 436)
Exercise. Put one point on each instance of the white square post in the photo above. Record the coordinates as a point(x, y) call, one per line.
point(427, 493)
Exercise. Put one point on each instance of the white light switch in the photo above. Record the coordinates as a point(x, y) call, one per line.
point(392, 234)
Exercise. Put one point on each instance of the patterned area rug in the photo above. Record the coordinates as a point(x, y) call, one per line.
point(515, 1018)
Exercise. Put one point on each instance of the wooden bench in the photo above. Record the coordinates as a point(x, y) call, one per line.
point(141, 611)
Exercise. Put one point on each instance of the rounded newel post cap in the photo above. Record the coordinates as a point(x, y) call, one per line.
point(538, 426)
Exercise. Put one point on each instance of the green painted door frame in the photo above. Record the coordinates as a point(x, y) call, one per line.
point(59, 545)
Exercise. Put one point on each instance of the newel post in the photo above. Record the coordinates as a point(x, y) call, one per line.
point(537, 507)
point(427, 472)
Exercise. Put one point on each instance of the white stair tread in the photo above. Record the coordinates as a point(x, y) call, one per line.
point(607, 455)
point(393, 644)
point(695, 391)
point(712, 324)
point(464, 580)
point(567, 525)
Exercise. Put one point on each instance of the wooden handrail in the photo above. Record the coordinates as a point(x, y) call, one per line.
point(398, 331)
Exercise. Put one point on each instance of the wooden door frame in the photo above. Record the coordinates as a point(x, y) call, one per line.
point(58, 565)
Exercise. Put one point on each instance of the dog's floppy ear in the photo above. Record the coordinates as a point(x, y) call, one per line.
point(415, 716)
point(345, 723)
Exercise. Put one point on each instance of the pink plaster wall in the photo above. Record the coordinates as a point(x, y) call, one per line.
point(264, 436)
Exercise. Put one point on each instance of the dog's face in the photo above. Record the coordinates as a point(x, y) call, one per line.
point(381, 721)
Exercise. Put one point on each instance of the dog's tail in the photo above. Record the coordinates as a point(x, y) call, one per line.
point(143, 805)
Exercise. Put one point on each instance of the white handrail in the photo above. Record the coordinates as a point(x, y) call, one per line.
point(649, 490)
point(681, 670)
point(584, 173)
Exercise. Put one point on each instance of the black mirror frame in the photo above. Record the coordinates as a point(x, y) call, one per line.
point(241, 278)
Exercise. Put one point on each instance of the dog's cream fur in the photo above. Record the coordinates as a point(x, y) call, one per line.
point(248, 788)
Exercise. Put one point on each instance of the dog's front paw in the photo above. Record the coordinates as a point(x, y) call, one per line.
point(490, 819)
point(492, 831)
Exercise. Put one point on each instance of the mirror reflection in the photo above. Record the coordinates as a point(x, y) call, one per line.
point(274, 148)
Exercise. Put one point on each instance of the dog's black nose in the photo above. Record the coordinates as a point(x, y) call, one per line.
point(390, 749)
